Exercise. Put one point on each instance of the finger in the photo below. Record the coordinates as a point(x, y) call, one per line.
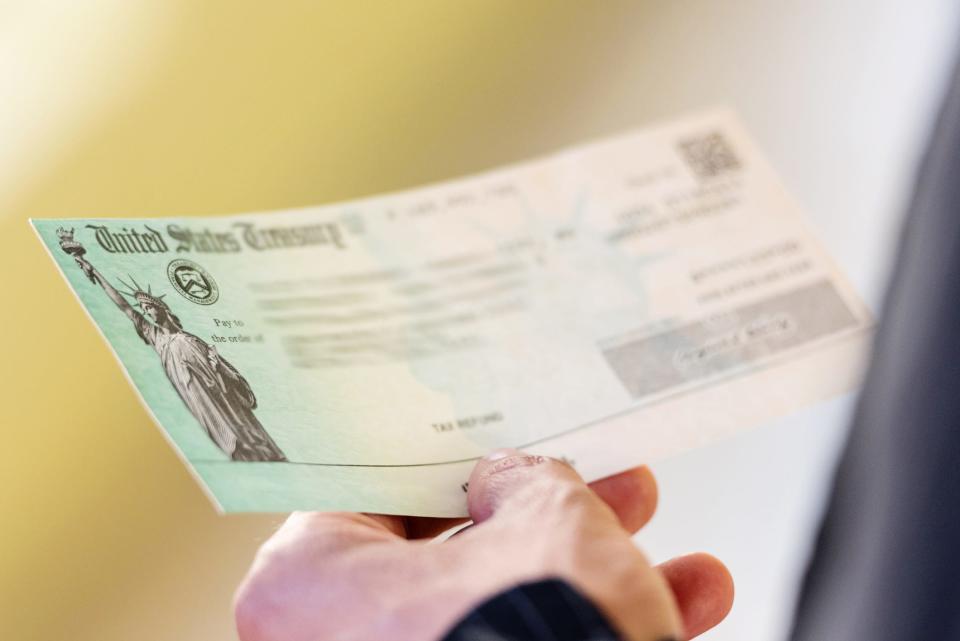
point(632, 495)
point(332, 531)
point(703, 589)
point(530, 479)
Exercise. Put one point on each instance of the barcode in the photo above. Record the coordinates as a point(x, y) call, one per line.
point(709, 156)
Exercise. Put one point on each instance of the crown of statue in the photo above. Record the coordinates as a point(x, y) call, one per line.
point(136, 292)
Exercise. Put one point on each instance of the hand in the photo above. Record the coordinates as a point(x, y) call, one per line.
point(355, 576)
point(86, 267)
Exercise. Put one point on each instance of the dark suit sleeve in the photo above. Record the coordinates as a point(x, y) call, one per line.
point(887, 563)
point(547, 610)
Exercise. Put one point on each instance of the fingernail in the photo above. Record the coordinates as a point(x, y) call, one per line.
point(501, 453)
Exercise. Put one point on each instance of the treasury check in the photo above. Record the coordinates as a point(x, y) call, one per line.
point(609, 305)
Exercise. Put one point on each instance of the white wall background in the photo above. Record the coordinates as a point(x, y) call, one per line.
point(841, 96)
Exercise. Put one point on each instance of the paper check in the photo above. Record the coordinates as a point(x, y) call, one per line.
point(610, 304)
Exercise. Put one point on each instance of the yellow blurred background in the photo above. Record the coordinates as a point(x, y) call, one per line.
point(181, 107)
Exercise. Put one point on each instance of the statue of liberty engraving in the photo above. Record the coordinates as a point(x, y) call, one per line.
point(217, 395)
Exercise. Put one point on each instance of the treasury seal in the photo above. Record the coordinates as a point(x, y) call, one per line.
point(193, 282)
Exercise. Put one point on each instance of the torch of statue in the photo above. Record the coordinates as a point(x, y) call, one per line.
point(68, 244)
point(75, 249)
